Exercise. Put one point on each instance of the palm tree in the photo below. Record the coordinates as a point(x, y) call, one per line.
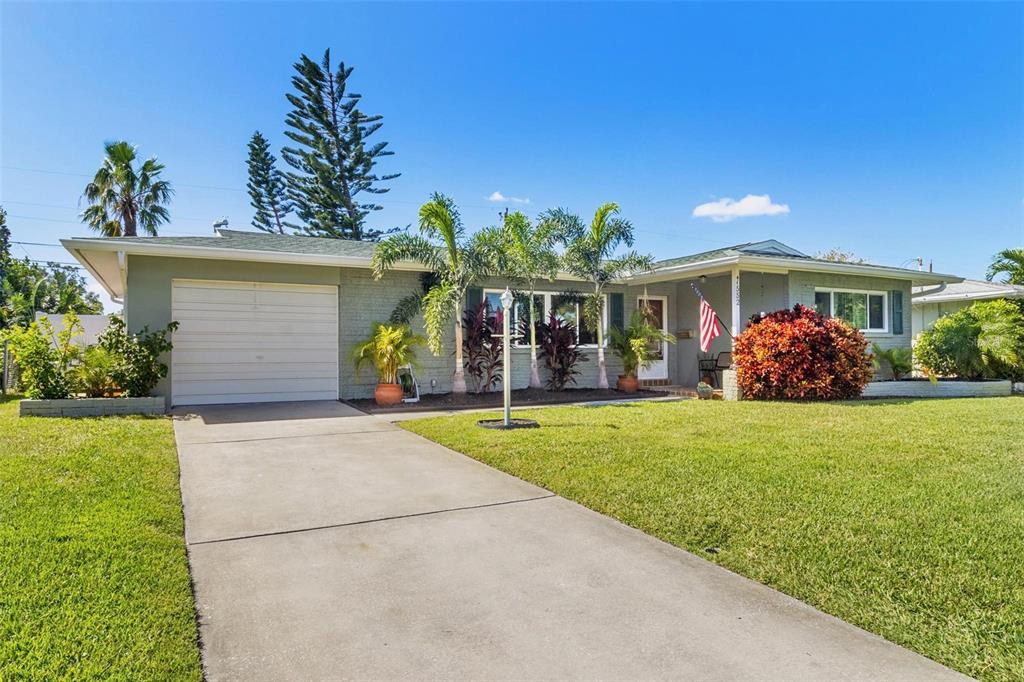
point(457, 261)
point(527, 255)
point(123, 198)
point(590, 255)
point(1009, 262)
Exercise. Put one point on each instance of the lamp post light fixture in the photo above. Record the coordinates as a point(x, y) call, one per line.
point(506, 382)
point(507, 299)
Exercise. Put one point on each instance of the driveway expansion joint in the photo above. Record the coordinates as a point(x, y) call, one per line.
point(293, 531)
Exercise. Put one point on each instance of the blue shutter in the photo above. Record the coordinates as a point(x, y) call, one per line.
point(896, 311)
point(616, 311)
point(474, 297)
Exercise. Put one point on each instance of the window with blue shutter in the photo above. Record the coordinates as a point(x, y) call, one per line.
point(896, 308)
point(616, 311)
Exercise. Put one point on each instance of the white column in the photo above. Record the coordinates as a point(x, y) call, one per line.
point(734, 323)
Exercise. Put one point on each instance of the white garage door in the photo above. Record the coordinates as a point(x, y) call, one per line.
point(250, 342)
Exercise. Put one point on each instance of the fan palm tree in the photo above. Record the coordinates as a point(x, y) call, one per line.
point(1009, 262)
point(457, 261)
point(527, 255)
point(124, 198)
point(590, 253)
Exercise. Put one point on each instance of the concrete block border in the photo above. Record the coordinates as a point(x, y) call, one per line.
point(92, 407)
point(940, 389)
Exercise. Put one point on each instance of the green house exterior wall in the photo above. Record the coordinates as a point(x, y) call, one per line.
point(803, 284)
point(363, 300)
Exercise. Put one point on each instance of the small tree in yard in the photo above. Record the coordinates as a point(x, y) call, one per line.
point(590, 253)
point(799, 355)
point(527, 255)
point(985, 340)
point(456, 260)
point(560, 352)
point(136, 367)
point(45, 358)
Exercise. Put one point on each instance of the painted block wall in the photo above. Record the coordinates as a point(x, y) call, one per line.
point(803, 284)
point(362, 301)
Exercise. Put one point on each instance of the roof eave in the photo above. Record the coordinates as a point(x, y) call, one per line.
point(217, 253)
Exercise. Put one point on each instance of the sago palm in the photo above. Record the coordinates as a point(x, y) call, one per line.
point(591, 254)
point(125, 199)
point(1009, 262)
point(526, 254)
point(443, 248)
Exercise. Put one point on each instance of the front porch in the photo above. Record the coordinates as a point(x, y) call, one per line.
point(735, 295)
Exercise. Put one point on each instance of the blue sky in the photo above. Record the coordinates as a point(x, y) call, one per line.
point(894, 131)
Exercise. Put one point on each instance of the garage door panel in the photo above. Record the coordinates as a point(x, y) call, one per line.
point(228, 371)
point(214, 357)
point(253, 342)
point(256, 342)
point(219, 399)
point(253, 386)
point(282, 314)
point(257, 327)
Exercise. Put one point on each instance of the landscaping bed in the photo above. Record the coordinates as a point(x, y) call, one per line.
point(943, 388)
point(525, 396)
point(94, 580)
point(875, 511)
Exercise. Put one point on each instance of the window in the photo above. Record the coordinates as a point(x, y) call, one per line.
point(567, 308)
point(863, 310)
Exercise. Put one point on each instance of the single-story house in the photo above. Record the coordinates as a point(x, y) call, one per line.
point(267, 317)
point(932, 302)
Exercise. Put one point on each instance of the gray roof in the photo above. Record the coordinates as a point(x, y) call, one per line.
point(264, 241)
point(968, 290)
point(770, 247)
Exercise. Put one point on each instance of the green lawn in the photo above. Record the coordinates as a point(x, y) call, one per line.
point(903, 517)
point(94, 580)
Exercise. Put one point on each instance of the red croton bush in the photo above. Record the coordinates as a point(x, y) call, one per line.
point(800, 355)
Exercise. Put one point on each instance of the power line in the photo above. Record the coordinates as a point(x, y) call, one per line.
point(86, 175)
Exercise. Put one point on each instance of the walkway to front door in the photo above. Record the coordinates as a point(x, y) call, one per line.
point(328, 544)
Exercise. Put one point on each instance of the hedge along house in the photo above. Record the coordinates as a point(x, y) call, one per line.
point(268, 317)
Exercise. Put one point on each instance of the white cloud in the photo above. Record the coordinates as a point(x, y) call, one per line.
point(726, 209)
point(498, 197)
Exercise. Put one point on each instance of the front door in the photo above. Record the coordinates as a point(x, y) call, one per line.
point(657, 308)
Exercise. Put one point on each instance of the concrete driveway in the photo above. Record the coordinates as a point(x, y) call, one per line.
point(328, 544)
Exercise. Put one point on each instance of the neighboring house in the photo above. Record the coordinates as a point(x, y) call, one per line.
point(92, 326)
point(932, 302)
point(268, 317)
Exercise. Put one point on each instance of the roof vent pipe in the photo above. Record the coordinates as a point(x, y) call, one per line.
point(223, 222)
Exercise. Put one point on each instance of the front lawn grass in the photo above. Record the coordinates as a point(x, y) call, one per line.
point(94, 580)
point(905, 518)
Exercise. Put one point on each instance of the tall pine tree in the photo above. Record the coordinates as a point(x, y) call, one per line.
point(267, 187)
point(333, 164)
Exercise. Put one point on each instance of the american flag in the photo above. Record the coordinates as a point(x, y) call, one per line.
point(708, 325)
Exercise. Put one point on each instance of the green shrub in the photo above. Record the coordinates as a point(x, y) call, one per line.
point(45, 366)
point(899, 361)
point(985, 340)
point(799, 355)
point(93, 372)
point(1002, 338)
point(136, 366)
point(639, 343)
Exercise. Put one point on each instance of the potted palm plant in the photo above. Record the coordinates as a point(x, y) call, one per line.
point(636, 346)
point(389, 347)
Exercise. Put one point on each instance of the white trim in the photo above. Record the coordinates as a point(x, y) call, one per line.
point(663, 363)
point(884, 329)
point(546, 295)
